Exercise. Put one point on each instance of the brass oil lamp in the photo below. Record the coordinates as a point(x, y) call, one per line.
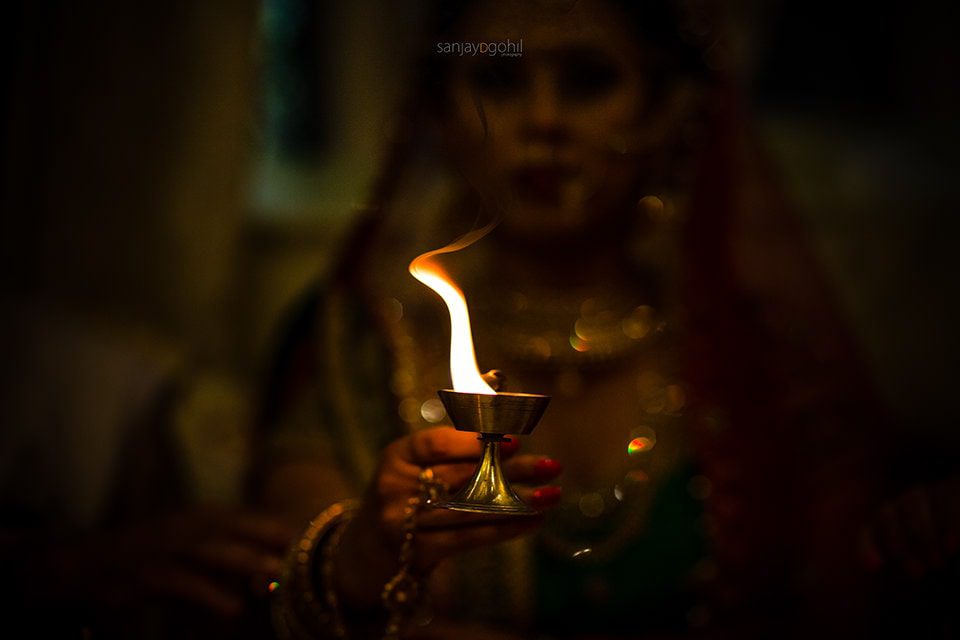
point(472, 404)
point(494, 417)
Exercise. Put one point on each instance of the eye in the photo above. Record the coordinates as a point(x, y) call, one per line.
point(587, 76)
point(499, 78)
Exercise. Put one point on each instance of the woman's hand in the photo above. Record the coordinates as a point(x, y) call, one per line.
point(369, 552)
point(211, 558)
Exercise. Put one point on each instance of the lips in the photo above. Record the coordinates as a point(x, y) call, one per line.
point(542, 183)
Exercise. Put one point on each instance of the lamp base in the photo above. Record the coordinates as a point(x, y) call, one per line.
point(475, 507)
point(493, 417)
point(488, 491)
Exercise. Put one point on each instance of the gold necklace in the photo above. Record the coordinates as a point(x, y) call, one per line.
point(593, 525)
point(552, 331)
point(609, 329)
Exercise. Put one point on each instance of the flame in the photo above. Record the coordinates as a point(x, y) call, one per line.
point(463, 361)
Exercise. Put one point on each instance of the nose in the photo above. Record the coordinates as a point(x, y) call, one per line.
point(543, 121)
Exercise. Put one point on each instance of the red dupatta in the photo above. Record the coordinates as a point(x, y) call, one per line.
point(784, 409)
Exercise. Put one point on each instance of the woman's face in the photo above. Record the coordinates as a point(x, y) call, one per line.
point(560, 117)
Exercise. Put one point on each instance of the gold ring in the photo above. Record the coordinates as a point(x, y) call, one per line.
point(431, 489)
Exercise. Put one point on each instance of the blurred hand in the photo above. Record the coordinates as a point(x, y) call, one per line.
point(917, 532)
point(211, 558)
point(369, 552)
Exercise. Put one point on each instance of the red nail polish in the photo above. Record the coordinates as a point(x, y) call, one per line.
point(547, 468)
point(547, 495)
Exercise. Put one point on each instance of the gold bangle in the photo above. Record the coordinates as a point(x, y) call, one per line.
point(329, 549)
point(301, 613)
point(298, 610)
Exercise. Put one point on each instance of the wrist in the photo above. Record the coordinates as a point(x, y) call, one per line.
point(364, 562)
point(304, 604)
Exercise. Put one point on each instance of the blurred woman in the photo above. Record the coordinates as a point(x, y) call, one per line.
point(707, 407)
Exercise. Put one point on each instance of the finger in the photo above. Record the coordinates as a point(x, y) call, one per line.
point(539, 498)
point(446, 444)
point(454, 475)
point(184, 584)
point(438, 445)
point(531, 468)
point(433, 546)
point(236, 557)
point(521, 468)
